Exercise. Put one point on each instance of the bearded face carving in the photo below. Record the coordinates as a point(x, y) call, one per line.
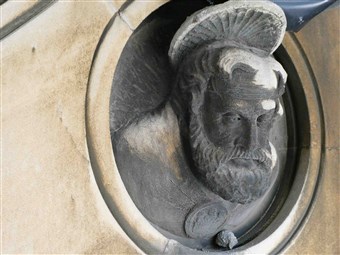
point(234, 102)
point(200, 163)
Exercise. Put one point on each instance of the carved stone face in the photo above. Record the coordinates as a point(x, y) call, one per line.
point(230, 132)
point(232, 122)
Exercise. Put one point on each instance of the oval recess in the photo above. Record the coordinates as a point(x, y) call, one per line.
point(308, 116)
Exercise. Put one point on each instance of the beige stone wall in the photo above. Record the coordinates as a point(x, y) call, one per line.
point(50, 200)
point(320, 40)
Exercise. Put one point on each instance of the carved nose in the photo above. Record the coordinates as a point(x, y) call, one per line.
point(252, 143)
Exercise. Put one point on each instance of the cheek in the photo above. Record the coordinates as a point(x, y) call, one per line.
point(211, 121)
point(213, 127)
point(263, 137)
point(226, 135)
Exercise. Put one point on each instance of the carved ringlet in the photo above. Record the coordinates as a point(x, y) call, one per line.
point(255, 24)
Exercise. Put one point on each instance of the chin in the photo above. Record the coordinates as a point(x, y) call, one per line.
point(237, 184)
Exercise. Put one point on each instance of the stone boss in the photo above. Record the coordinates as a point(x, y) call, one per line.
point(227, 96)
point(202, 163)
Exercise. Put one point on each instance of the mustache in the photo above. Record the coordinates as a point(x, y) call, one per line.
point(263, 156)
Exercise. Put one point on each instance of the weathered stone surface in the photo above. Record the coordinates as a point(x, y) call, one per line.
point(182, 142)
point(138, 11)
point(320, 41)
point(12, 11)
point(50, 201)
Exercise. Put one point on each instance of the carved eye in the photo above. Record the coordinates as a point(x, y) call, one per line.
point(230, 117)
point(265, 118)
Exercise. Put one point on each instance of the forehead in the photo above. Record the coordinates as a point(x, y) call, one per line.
point(244, 85)
point(259, 104)
point(265, 78)
point(224, 102)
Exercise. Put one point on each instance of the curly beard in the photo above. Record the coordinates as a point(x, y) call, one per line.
point(222, 170)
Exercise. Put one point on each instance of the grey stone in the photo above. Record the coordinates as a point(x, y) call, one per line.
point(195, 148)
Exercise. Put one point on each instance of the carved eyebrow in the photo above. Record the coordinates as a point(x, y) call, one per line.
point(233, 111)
point(271, 111)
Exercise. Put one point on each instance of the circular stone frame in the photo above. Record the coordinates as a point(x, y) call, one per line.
point(296, 208)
